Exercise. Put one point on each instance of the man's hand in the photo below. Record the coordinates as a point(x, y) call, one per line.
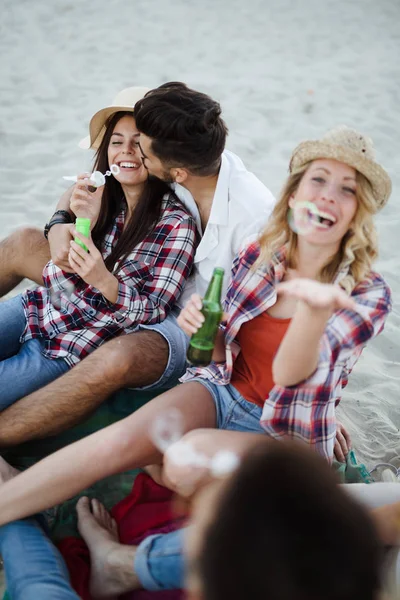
point(59, 238)
point(342, 443)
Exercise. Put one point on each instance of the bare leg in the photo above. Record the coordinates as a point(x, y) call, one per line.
point(6, 471)
point(131, 360)
point(117, 448)
point(24, 253)
point(111, 563)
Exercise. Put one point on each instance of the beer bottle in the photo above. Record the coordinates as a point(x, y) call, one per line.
point(202, 342)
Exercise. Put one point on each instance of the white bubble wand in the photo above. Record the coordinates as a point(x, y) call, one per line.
point(97, 177)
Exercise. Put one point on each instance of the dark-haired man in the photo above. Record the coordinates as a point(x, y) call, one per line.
point(182, 139)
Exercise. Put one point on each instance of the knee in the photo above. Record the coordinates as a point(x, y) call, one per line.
point(21, 243)
point(135, 359)
point(117, 357)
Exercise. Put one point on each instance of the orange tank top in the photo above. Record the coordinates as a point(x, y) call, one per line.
point(259, 341)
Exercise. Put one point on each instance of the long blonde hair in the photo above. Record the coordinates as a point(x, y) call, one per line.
point(358, 248)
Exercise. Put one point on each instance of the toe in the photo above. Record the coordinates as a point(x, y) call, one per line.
point(83, 507)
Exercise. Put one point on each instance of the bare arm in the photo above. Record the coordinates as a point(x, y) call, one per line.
point(297, 356)
point(75, 467)
point(189, 479)
point(64, 201)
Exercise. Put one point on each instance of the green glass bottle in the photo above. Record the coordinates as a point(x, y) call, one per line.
point(202, 342)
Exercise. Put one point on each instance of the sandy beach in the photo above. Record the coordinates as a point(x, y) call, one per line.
point(283, 72)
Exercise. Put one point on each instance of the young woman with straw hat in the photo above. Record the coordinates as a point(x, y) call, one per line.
point(140, 253)
point(301, 307)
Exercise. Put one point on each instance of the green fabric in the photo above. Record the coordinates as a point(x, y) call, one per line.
point(110, 490)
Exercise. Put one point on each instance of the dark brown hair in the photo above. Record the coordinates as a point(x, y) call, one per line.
point(185, 126)
point(285, 530)
point(145, 214)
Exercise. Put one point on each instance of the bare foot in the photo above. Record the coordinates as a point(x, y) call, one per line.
point(6, 471)
point(112, 571)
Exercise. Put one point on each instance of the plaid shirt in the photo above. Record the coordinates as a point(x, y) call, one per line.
point(305, 411)
point(150, 280)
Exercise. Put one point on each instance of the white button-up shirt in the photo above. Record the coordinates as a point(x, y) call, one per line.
point(240, 209)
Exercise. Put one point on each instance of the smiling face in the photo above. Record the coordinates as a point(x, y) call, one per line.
point(331, 187)
point(123, 151)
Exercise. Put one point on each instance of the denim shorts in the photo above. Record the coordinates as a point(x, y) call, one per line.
point(178, 343)
point(233, 411)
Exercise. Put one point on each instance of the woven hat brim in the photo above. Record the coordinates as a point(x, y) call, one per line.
point(97, 126)
point(376, 175)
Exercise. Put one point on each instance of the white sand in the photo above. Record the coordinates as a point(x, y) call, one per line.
point(284, 71)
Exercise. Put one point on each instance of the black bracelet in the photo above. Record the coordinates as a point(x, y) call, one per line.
point(60, 216)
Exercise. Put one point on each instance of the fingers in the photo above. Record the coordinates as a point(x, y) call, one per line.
point(345, 434)
point(338, 452)
point(343, 444)
point(191, 318)
point(85, 240)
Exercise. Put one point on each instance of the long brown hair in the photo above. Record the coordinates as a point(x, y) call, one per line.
point(146, 213)
point(358, 248)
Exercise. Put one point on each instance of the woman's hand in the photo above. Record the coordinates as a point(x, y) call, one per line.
point(90, 265)
point(342, 443)
point(191, 318)
point(317, 295)
point(85, 203)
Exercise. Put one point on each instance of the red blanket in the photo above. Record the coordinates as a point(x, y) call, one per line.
point(145, 511)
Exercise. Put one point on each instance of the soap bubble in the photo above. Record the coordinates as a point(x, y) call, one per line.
point(56, 296)
point(302, 218)
point(184, 454)
point(223, 463)
point(167, 429)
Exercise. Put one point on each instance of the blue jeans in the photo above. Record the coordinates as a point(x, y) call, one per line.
point(33, 566)
point(233, 411)
point(23, 368)
point(178, 343)
point(159, 561)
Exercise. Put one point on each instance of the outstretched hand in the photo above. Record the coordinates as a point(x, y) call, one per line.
point(317, 295)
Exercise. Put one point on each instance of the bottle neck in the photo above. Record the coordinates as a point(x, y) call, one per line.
point(214, 290)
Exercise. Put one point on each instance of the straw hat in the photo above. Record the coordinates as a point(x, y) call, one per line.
point(124, 100)
point(352, 148)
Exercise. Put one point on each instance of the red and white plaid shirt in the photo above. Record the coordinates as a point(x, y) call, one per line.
point(150, 280)
point(305, 411)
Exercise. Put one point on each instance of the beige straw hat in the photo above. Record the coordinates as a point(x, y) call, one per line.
point(124, 100)
point(352, 148)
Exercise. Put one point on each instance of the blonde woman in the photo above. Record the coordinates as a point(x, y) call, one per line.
point(300, 307)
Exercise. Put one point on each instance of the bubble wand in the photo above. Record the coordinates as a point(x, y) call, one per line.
point(97, 177)
point(82, 224)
